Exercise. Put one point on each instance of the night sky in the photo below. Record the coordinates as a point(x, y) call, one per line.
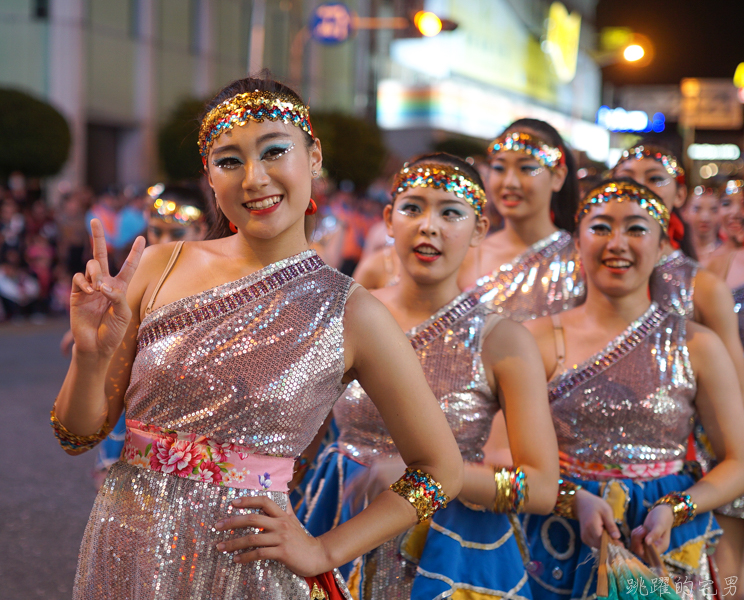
point(692, 38)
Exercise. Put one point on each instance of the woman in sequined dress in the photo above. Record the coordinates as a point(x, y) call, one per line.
point(728, 264)
point(626, 379)
point(228, 355)
point(475, 362)
point(678, 282)
point(528, 268)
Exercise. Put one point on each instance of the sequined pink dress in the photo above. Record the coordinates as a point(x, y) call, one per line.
point(237, 377)
point(545, 279)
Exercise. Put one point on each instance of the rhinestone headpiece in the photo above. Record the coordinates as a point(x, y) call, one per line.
point(445, 177)
point(251, 106)
point(548, 156)
point(621, 191)
point(668, 161)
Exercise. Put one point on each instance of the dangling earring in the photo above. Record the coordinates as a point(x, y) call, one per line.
point(233, 227)
point(312, 208)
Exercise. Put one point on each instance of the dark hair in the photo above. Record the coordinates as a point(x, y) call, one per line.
point(183, 194)
point(263, 82)
point(445, 158)
point(685, 242)
point(564, 202)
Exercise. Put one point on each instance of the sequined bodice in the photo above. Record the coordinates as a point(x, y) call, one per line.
point(543, 280)
point(449, 348)
point(257, 362)
point(739, 309)
point(672, 283)
point(632, 402)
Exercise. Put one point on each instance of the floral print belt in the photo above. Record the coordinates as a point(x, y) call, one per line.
point(603, 472)
point(197, 457)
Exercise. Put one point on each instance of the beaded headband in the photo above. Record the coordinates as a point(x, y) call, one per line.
point(668, 161)
point(170, 211)
point(251, 106)
point(620, 191)
point(445, 177)
point(548, 156)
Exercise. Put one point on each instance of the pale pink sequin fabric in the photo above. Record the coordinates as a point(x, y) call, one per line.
point(258, 363)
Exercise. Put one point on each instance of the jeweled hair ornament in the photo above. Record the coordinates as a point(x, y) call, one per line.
point(668, 161)
point(548, 156)
point(170, 211)
point(441, 176)
point(622, 191)
point(251, 106)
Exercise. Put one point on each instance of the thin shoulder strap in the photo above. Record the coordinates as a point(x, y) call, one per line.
point(168, 267)
point(560, 344)
point(353, 288)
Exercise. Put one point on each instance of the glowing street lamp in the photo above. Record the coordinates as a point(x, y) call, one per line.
point(633, 53)
point(427, 23)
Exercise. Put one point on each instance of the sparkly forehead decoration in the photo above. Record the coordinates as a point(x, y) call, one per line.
point(169, 211)
point(548, 156)
point(445, 177)
point(668, 161)
point(251, 106)
point(620, 191)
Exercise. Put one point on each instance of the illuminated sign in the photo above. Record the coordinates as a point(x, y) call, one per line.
point(562, 40)
point(713, 152)
point(619, 119)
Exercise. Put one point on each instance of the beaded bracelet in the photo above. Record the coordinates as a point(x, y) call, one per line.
point(422, 491)
point(566, 502)
point(77, 444)
point(512, 491)
point(683, 507)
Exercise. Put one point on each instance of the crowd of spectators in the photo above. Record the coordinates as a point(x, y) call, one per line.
point(43, 246)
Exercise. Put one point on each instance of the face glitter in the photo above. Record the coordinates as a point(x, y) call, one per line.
point(441, 176)
point(251, 106)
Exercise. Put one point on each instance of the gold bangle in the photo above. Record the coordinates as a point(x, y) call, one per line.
point(512, 491)
point(566, 502)
point(422, 491)
point(77, 444)
point(683, 508)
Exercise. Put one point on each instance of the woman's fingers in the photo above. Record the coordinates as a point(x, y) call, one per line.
point(99, 245)
point(608, 522)
point(248, 542)
point(81, 284)
point(263, 503)
point(133, 259)
point(93, 274)
point(241, 521)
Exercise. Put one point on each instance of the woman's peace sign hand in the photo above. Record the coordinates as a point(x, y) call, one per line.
point(99, 312)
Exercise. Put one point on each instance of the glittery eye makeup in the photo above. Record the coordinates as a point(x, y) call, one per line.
point(227, 162)
point(277, 150)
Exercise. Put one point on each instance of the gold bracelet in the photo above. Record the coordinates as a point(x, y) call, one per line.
point(422, 491)
point(512, 491)
point(77, 444)
point(566, 502)
point(683, 508)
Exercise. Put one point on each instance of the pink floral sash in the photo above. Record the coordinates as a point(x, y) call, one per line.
point(196, 457)
point(603, 472)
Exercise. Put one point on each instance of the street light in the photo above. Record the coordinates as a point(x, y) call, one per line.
point(427, 23)
point(633, 53)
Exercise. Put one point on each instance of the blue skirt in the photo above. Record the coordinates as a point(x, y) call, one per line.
point(111, 448)
point(561, 567)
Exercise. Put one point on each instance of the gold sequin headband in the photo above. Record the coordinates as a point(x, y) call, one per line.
point(445, 177)
point(548, 156)
point(170, 211)
point(668, 161)
point(251, 106)
point(620, 191)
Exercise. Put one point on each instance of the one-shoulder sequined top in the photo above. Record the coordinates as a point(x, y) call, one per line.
point(633, 401)
point(449, 347)
point(672, 283)
point(257, 363)
point(545, 279)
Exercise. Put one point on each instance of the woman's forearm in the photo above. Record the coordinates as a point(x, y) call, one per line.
point(721, 485)
point(81, 404)
point(479, 487)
